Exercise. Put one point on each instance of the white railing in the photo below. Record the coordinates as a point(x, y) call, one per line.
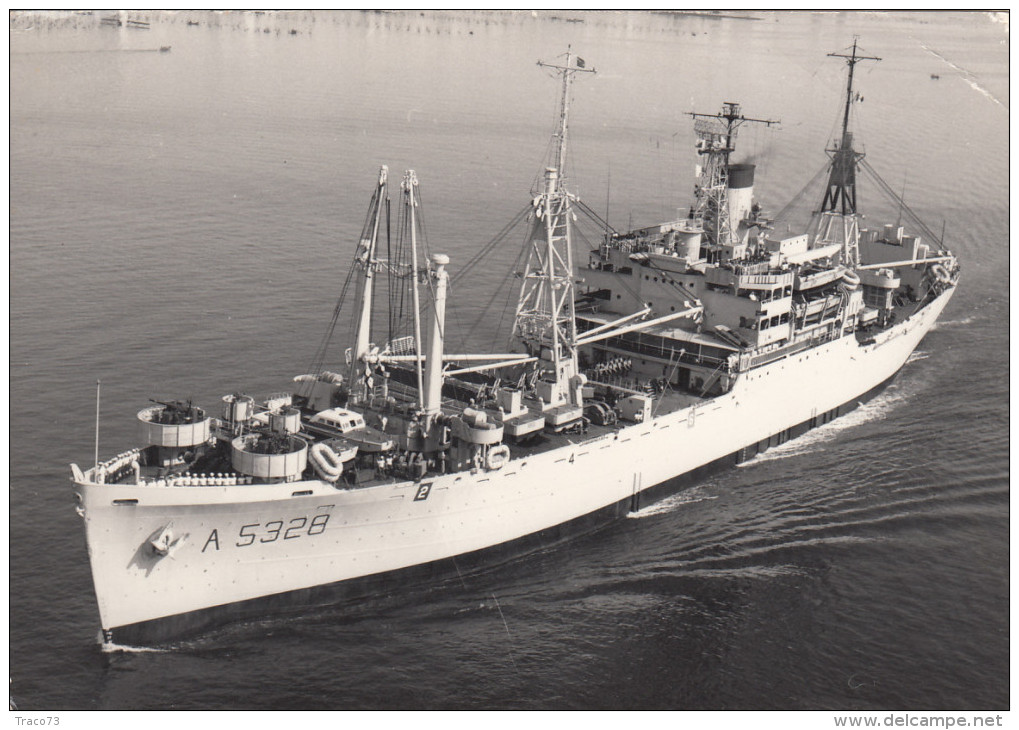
point(121, 461)
point(199, 480)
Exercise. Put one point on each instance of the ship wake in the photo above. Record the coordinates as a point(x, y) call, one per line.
point(812, 440)
point(964, 322)
point(967, 76)
point(690, 496)
point(110, 647)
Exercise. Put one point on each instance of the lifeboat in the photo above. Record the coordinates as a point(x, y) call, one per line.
point(850, 279)
point(811, 278)
point(351, 426)
point(325, 462)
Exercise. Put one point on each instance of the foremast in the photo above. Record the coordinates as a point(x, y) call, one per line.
point(409, 189)
point(367, 260)
point(545, 319)
point(365, 357)
point(427, 370)
point(837, 221)
point(425, 281)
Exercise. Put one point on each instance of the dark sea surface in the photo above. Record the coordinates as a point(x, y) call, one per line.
point(181, 223)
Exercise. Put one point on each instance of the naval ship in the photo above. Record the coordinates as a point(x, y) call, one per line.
point(673, 350)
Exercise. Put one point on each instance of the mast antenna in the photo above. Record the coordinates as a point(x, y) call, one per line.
point(574, 64)
point(851, 60)
point(836, 220)
point(842, 181)
point(98, 386)
point(902, 200)
point(608, 192)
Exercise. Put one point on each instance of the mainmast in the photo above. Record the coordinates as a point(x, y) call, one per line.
point(716, 141)
point(545, 318)
point(839, 204)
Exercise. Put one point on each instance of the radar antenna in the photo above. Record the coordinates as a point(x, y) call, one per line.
point(716, 140)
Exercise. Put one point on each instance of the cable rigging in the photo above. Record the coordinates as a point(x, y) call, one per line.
point(319, 358)
point(895, 197)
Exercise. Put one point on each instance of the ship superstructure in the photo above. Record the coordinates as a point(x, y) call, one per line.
point(689, 345)
point(765, 296)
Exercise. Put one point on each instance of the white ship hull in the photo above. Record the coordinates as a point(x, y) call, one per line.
point(244, 551)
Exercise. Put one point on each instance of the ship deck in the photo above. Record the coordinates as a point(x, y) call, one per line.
point(666, 403)
point(900, 312)
point(546, 440)
point(119, 469)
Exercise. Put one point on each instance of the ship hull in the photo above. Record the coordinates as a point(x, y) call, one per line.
point(246, 552)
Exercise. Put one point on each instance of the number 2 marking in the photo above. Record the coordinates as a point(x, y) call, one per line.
point(423, 491)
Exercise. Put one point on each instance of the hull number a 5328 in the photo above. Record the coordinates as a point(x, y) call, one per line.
point(271, 531)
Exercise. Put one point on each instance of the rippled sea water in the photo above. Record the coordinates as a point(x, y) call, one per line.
point(181, 223)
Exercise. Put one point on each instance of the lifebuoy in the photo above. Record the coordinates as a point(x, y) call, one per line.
point(325, 462)
point(941, 273)
point(497, 457)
